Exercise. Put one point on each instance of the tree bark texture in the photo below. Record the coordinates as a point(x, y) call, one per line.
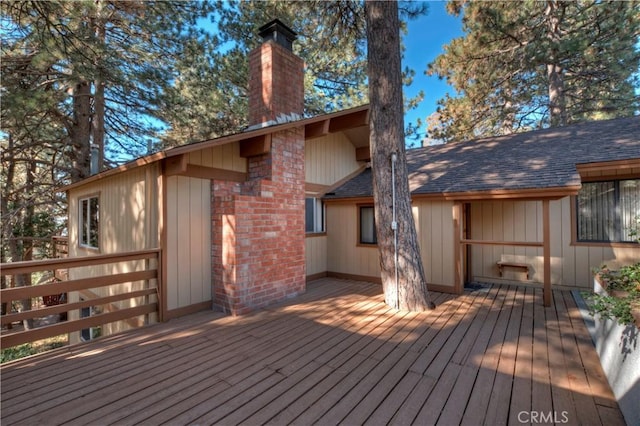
point(557, 104)
point(23, 219)
point(387, 138)
point(97, 123)
point(81, 132)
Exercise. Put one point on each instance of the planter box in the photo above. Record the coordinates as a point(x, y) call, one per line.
point(618, 347)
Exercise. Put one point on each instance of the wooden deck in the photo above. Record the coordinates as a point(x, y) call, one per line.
point(337, 354)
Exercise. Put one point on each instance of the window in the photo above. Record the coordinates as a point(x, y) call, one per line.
point(367, 226)
point(314, 215)
point(89, 222)
point(608, 211)
point(90, 333)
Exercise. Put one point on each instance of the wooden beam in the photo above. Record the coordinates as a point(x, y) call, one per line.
point(187, 310)
point(546, 250)
point(89, 296)
point(18, 293)
point(26, 266)
point(176, 165)
point(349, 121)
point(202, 172)
point(457, 248)
point(502, 194)
point(609, 175)
point(255, 146)
point(179, 168)
point(363, 154)
point(316, 130)
point(501, 243)
point(315, 188)
point(26, 336)
point(66, 307)
point(608, 166)
point(164, 244)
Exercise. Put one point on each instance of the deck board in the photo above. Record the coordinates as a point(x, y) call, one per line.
point(336, 354)
point(480, 332)
point(540, 375)
point(521, 390)
point(500, 393)
point(480, 394)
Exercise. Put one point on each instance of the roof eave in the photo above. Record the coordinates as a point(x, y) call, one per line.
point(223, 140)
point(528, 194)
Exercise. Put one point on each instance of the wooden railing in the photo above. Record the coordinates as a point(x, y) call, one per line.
point(149, 275)
point(60, 246)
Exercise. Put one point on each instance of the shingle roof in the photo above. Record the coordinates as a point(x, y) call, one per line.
point(533, 160)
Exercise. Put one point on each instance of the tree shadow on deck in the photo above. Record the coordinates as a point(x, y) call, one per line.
point(336, 354)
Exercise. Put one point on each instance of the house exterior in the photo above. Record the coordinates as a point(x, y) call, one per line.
point(479, 208)
point(228, 214)
point(245, 220)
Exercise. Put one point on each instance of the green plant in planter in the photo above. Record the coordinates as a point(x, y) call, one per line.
point(623, 294)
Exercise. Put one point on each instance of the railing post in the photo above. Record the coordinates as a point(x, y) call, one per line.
point(147, 285)
point(546, 252)
point(159, 284)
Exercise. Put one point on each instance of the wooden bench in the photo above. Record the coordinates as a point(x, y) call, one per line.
point(505, 263)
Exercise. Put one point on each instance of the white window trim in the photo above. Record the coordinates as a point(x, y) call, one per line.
point(82, 232)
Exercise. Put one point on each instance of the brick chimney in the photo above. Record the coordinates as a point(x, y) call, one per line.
point(258, 226)
point(276, 77)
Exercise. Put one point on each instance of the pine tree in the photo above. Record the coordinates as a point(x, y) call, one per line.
point(211, 93)
point(402, 272)
point(101, 60)
point(526, 65)
point(76, 74)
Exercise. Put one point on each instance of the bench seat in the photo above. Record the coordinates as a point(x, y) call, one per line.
point(505, 263)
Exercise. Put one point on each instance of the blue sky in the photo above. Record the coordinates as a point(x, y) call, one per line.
point(424, 40)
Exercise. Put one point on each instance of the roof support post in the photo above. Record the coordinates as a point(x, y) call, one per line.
point(458, 246)
point(546, 251)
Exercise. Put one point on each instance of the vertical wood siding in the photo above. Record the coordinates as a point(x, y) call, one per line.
point(221, 157)
point(129, 211)
point(434, 222)
point(344, 255)
point(188, 226)
point(316, 254)
point(329, 159)
point(571, 265)
point(128, 221)
point(506, 221)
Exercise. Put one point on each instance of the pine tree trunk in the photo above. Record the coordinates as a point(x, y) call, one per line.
point(99, 83)
point(23, 219)
point(406, 290)
point(7, 224)
point(81, 131)
point(557, 105)
point(27, 243)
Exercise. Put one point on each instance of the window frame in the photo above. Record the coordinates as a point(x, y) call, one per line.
point(617, 241)
point(82, 224)
point(319, 216)
point(360, 207)
point(89, 333)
